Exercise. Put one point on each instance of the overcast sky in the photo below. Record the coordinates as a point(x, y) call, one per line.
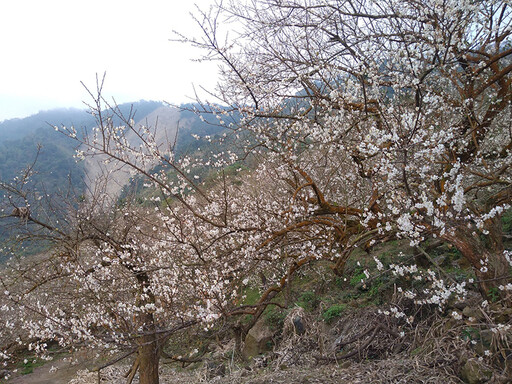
point(48, 46)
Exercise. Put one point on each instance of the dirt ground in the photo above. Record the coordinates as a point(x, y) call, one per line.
point(386, 371)
point(62, 373)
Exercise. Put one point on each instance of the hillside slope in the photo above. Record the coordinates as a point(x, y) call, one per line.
point(33, 143)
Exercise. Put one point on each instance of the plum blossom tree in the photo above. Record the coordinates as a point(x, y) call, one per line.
point(368, 121)
point(231, 231)
point(391, 118)
point(125, 277)
point(99, 285)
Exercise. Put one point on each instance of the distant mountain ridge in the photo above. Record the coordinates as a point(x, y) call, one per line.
point(20, 138)
point(14, 129)
point(18, 128)
point(56, 172)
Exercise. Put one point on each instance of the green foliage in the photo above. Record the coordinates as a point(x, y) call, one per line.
point(251, 296)
point(55, 165)
point(246, 319)
point(470, 333)
point(339, 282)
point(274, 317)
point(31, 362)
point(308, 300)
point(55, 175)
point(333, 312)
point(506, 221)
point(374, 289)
point(453, 253)
point(494, 294)
point(460, 274)
point(357, 276)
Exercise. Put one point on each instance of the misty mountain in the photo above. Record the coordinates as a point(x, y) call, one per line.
point(21, 140)
point(56, 173)
point(14, 129)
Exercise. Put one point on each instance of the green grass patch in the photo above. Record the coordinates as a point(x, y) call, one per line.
point(274, 317)
point(333, 312)
point(27, 365)
point(357, 277)
point(251, 296)
point(308, 300)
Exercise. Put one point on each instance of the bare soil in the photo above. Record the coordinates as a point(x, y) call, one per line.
point(66, 370)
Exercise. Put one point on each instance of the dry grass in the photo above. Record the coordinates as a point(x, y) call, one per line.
point(432, 351)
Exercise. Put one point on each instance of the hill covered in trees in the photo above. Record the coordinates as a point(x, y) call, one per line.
point(20, 139)
point(32, 148)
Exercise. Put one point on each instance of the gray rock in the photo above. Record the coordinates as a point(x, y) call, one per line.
point(474, 372)
point(298, 325)
point(473, 312)
point(258, 340)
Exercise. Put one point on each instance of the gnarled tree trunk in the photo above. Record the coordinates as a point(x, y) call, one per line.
point(149, 359)
point(150, 346)
point(149, 353)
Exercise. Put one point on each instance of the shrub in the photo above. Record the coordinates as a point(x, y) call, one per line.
point(333, 312)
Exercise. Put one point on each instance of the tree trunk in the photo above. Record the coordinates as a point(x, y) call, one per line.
point(490, 265)
point(149, 359)
point(238, 335)
point(150, 346)
point(149, 351)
